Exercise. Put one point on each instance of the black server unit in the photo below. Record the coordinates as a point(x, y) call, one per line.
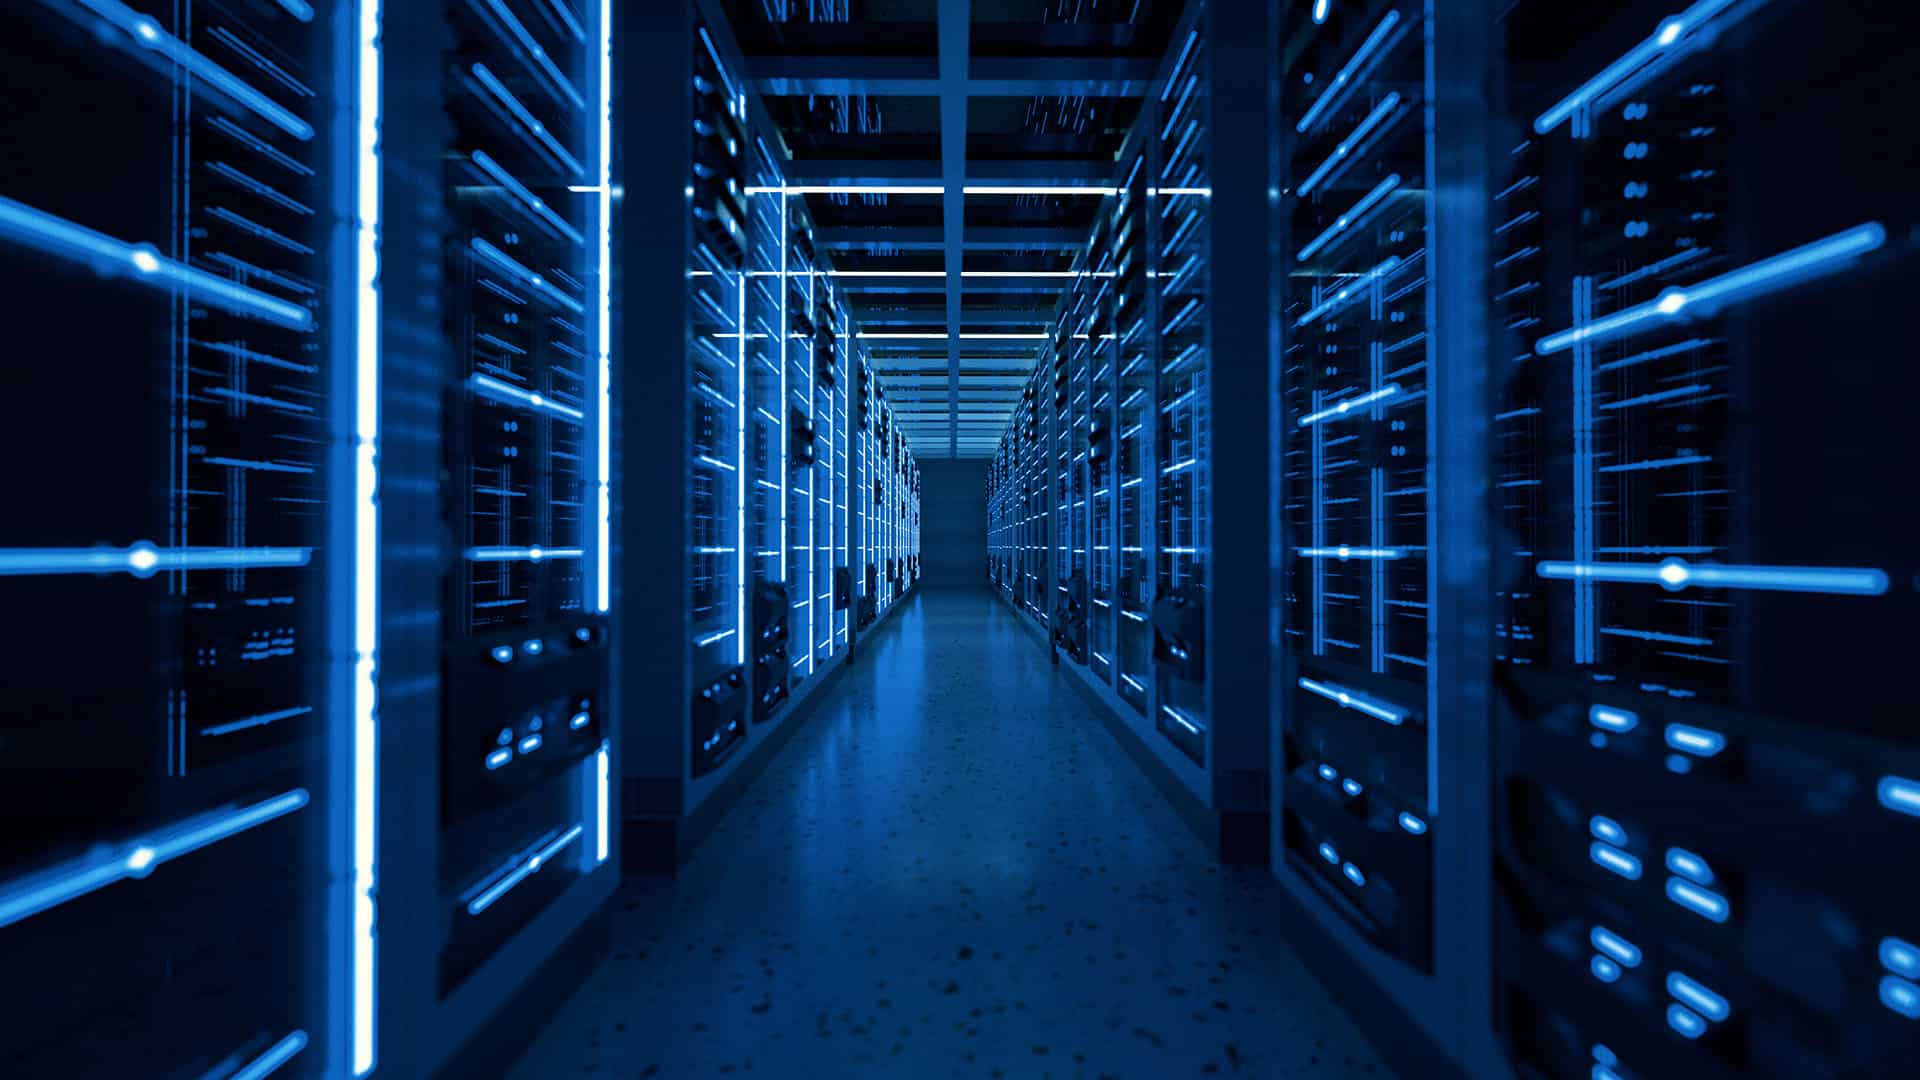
point(178, 256)
point(1708, 794)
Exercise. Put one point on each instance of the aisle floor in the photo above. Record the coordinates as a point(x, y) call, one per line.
point(952, 870)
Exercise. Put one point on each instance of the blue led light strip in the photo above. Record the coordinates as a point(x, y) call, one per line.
point(1678, 30)
point(1789, 268)
point(1344, 78)
point(1334, 412)
point(1352, 217)
point(522, 554)
point(523, 868)
point(541, 136)
point(489, 387)
point(270, 1061)
point(363, 720)
point(507, 264)
point(518, 31)
point(603, 337)
point(142, 262)
point(1344, 552)
point(143, 560)
point(486, 164)
point(137, 858)
point(1677, 574)
point(147, 34)
point(1353, 699)
point(1347, 145)
point(1349, 292)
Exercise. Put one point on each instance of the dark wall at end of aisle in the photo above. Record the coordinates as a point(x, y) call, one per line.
point(953, 524)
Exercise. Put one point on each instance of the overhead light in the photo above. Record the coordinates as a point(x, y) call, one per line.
point(930, 189)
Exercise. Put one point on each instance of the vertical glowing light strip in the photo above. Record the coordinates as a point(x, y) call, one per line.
point(740, 475)
point(366, 527)
point(601, 769)
point(603, 228)
point(785, 408)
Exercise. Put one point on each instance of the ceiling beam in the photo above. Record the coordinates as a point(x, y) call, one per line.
point(1036, 172)
point(986, 76)
point(956, 29)
point(933, 238)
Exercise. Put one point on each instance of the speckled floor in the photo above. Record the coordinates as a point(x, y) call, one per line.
point(952, 870)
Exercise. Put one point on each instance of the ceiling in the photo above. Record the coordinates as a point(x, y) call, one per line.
point(953, 291)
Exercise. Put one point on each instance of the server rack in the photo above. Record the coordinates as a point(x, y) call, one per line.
point(177, 763)
point(1136, 429)
point(1703, 610)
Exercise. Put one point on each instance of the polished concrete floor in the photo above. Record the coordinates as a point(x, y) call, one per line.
point(952, 870)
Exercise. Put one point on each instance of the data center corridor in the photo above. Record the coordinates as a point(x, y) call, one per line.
point(952, 870)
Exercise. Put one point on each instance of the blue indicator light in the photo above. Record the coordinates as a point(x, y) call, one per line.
point(498, 758)
point(283, 1051)
point(1702, 1000)
point(1412, 824)
point(1665, 36)
point(1689, 866)
point(521, 554)
point(1351, 217)
point(522, 869)
point(1619, 948)
point(716, 636)
point(1353, 139)
point(1351, 787)
point(502, 654)
point(1900, 795)
point(533, 646)
point(1789, 268)
point(1604, 969)
point(1328, 773)
point(1696, 741)
point(1334, 412)
point(1611, 858)
point(1345, 552)
point(1901, 996)
point(1705, 903)
point(1353, 874)
point(1353, 699)
point(1605, 828)
point(1344, 78)
point(1611, 719)
point(1676, 574)
point(531, 743)
point(106, 865)
point(1328, 853)
point(1320, 9)
point(1685, 1021)
point(1900, 957)
point(143, 560)
point(580, 720)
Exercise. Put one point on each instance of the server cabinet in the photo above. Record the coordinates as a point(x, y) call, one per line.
point(1135, 420)
point(1706, 607)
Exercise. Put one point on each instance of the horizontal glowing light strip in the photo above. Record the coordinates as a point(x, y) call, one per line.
point(1353, 215)
point(1705, 903)
point(1180, 718)
point(522, 871)
point(964, 335)
point(1412, 824)
point(1612, 719)
point(1343, 553)
point(147, 33)
point(1336, 411)
point(1605, 940)
point(1900, 957)
point(520, 112)
point(143, 560)
point(1901, 996)
point(1344, 77)
point(1804, 263)
point(930, 189)
point(489, 387)
point(1176, 192)
point(256, 720)
point(141, 262)
point(1346, 145)
point(1689, 866)
point(1696, 741)
point(1353, 699)
point(525, 197)
point(1676, 574)
point(716, 636)
point(522, 554)
point(1605, 828)
point(1669, 33)
point(1612, 858)
point(1348, 291)
point(513, 268)
point(1901, 795)
point(105, 866)
point(275, 1056)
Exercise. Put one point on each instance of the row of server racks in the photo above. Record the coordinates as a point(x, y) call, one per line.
point(1590, 579)
point(312, 760)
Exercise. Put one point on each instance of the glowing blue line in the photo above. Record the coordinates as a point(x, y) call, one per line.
point(363, 734)
point(1702, 1000)
point(1344, 552)
point(1677, 574)
point(1669, 33)
point(1605, 828)
point(1353, 874)
point(1696, 741)
point(603, 336)
point(525, 196)
point(1328, 853)
point(1689, 866)
point(1334, 412)
point(1685, 1021)
point(489, 387)
point(1346, 145)
point(522, 871)
point(1804, 263)
point(257, 720)
point(1320, 10)
point(1901, 795)
point(1412, 824)
point(143, 560)
point(717, 635)
point(1900, 957)
point(1351, 217)
point(1348, 292)
point(1901, 996)
point(1180, 718)
point(522, 554)
point(545, 63)
point(601, 769)
point(1702, 902)
point(513, 268)
point(35, 893)
point(498, 758)
point(1605, 940)
point(1612, 858)
point(1353, 699)
point(283, 1051)
point(147, 34)
point(141, 262)
point(521, 113)
point(1612, 719)
point(1345, 76)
